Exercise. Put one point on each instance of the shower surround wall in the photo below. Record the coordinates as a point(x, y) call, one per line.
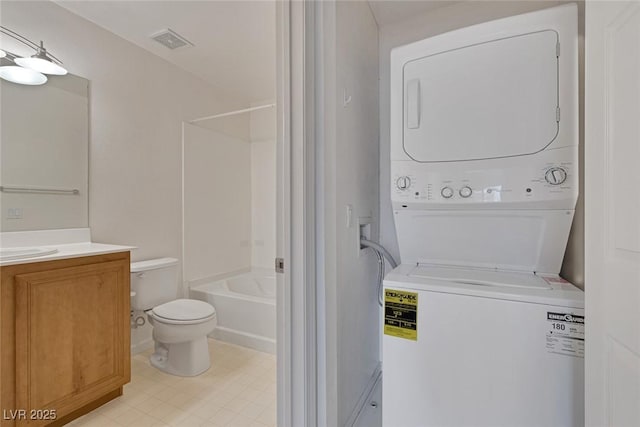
point(217, 203)
point(229, 227)
point(263, 187)
point(229, 198)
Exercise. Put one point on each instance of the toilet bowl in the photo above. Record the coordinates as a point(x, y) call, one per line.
point(180, 326)
point(180, 330)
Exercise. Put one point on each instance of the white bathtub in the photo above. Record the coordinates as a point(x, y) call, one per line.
point(245, 306)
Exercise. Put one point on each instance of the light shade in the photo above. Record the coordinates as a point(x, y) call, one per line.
point(20, 75)
point(2, 53)
point(41, 65)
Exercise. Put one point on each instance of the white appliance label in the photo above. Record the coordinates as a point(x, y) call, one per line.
point(565, 334)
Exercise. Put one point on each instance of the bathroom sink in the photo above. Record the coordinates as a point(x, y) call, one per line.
point(18, 253)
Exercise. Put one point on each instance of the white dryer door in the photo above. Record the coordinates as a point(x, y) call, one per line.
point(487, 100)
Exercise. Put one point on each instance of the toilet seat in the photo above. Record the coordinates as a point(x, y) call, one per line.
point(183, 311)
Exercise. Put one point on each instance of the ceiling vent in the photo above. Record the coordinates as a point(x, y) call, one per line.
point(171, 39)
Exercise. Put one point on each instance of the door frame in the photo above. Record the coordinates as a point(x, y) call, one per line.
point(295, 228)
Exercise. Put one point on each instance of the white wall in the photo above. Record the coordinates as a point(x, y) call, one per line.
point(448, 18)
point(263, 187)
point(217, 203)
point(350, 179)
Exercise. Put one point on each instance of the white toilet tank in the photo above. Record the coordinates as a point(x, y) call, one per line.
point(154, 282)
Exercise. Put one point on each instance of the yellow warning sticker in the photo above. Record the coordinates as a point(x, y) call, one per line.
point(401, 314)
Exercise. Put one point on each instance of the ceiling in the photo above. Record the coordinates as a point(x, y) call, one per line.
point(235, 44)
point(392, 11)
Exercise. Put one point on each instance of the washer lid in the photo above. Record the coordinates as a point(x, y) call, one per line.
point(481, 277)
point(184, 309)
point(484, 283)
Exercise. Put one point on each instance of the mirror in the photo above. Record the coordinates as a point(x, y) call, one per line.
point(44, 154)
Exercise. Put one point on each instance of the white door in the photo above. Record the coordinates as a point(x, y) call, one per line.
point(612, 227)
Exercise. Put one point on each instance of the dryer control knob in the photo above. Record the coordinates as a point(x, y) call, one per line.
point(447, 192)
point(466, 192)
point(555, 176)
point(403, 183)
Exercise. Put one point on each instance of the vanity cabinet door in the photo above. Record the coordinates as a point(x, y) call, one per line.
point(72, 337)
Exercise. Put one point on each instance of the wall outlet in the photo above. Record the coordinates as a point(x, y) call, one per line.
point(14, 213)
point(364, 231)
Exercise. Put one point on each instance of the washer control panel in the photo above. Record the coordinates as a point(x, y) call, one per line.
point(546, 177)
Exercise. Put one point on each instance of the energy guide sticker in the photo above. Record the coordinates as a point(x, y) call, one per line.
point(565, 334)
point(401, 314)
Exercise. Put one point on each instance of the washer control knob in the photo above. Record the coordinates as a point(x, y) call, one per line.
point(447, 192)
point(403, 183)
point(555, 176)
point(466, 192)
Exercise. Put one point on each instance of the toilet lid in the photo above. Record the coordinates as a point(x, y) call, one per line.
point(184, 309)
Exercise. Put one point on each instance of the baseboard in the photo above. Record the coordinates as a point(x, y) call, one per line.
point(244, 339)
point(365, 397)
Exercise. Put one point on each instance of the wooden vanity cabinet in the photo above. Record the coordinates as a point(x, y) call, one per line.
point(64, 336)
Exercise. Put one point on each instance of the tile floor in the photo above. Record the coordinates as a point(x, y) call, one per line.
point(239, 390)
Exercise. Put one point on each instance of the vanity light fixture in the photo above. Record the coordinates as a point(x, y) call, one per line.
point(43, 62)
point(29, 71)
point(21, 75)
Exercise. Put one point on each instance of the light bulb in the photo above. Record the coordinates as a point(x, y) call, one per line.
point(42, 65)
point(23, 76)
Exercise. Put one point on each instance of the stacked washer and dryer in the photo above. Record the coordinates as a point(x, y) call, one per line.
point(479, 329)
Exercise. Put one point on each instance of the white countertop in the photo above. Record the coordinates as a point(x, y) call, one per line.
point(69, 243)
point(73, 250)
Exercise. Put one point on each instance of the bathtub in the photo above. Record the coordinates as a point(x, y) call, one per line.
point(245, 306)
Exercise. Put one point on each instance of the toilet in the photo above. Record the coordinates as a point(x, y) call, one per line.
point(180, 326)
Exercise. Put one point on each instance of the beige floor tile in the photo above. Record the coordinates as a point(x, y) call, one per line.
point(240, 420)
point(206, 409)
point(253, 410)
point(222, 417)
point(128, 417)
point(267, 416)
point(189, 421)
point(146, 421)
point(113, 409)
point(148, 405)
point(98, 421)
point(237, 404)
point(166, 394)
point(174, 416)
point(237, 391)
